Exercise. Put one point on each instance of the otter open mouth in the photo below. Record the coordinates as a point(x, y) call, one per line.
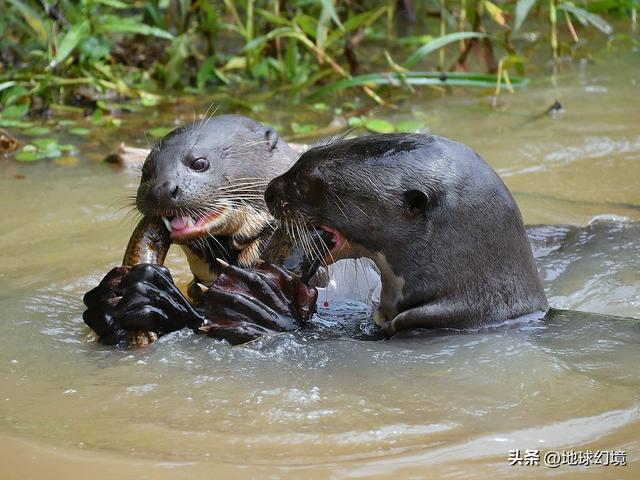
point(333, 240)
point(185, 228)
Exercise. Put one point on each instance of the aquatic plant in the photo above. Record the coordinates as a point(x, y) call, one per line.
point(91, 54)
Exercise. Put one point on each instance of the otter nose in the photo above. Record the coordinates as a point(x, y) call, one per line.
point(167, 192)
point(274, 195)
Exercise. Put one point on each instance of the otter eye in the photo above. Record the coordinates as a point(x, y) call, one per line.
point(199, 165)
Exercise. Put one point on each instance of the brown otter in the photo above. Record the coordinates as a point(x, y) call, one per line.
point(441, 227)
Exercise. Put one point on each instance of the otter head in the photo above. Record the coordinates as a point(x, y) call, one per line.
point(203, 179)
point(439, 224)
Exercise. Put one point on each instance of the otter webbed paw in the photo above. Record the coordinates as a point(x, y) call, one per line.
point(244, 304)
point(100, 302)
point(141, 298)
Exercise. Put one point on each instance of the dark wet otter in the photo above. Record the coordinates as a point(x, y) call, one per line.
point(206, 181)
point(438, 222)
point(204, 184)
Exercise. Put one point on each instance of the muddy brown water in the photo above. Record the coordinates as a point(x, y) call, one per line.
point(318, 403)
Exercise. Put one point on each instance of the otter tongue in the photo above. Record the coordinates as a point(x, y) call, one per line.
point(180, 223)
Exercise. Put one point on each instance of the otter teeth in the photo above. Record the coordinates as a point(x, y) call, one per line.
point(178, 223)
point(167, 223)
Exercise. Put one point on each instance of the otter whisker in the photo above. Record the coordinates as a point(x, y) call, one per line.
point(206, 113)
point(243, 181)
point(253, 179)
point(333, 201)
point(124, 202)
point(246, 184)
point(130, 216)
point(253, 185)
point(206, 120)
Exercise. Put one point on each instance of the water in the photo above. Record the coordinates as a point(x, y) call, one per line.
point(319, 403)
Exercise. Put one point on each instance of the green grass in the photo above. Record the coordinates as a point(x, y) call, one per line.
point(93, 54)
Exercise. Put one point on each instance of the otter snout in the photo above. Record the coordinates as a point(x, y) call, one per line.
point(166, 195)
point(275, 197)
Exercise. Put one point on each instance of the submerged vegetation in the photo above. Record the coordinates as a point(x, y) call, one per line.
point(93, 53)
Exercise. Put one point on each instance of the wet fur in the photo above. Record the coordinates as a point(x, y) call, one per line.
point(243, 155)
point(442, 228)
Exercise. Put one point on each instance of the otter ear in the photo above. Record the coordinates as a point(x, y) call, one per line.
point(417, 202)
point(271, 137)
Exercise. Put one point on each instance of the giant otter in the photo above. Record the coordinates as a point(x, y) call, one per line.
point(441, 227)
point(205, 183)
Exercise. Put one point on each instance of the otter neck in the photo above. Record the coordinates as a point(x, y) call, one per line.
point(440, 282)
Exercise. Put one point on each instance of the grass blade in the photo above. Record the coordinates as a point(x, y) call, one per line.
point(587, 17)
point(129, 26)
point(70, 41)
point(453, 79)
point(523, 7)
point(33, 20)
point(438, 43)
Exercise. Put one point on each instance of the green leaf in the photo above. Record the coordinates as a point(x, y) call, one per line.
point(301, 128)
point(272, 18)
point(45, 143)
point(437, 44)
point(377, 125)
point(51, 153)
point(411, 126)
point(132, 26)
point(34, 21)
point(11, 123)
point(37, 131)
point(587, 17)
point(69, 42)
point(159, 132)
point(80, 131)
point(327, 5)
point(355, 22)
point(291, 58)
point(178, 53)
point(307, 24)
point(523, 7)
point(27, 156)
point(12, 94)
point(97, 117)
point(15, 111)
point(9, 84)
point(355, 122)
point(94, 48)
point(495, 12)
point(208, 70)
point(149, 99)
point(262, 39)
point(117, 4)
